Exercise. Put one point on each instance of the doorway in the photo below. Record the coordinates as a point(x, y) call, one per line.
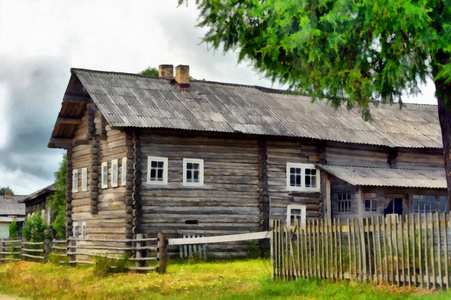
point(394, 207)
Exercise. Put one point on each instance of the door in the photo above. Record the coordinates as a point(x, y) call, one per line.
point(394, 207)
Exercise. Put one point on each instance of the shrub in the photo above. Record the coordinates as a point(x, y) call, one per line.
point(35, 228)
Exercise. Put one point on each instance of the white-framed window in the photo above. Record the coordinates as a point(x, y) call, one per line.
point(157, 170)
point(75, 230)
point(344, 202)
point(302, 177)
point(104, 175)
point(83, 230)
point(114, 172)
point(193, 172)
point(370, 201)
point(124, 171)
point(84, 179)
point(74, 181)
point(296, 213)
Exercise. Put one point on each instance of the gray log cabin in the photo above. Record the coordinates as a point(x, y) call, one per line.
point(174, 155)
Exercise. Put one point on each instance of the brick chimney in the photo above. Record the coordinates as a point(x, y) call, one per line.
point(182, 75)
point(8, 195)
point(166, 71)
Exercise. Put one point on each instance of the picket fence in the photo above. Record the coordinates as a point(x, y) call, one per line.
point(409, 250)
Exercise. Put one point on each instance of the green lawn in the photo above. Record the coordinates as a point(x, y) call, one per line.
point(242, 279)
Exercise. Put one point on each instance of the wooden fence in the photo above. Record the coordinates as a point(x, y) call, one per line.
point(409, 250)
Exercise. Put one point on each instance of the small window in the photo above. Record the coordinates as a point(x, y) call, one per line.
point(424, 203)
point(75, 230)
point(104, 175)
point(75, 181)
point(296, 213)
point(157, 170)
point(124, 171)
point(302, 177)
point(114, 172)
point(444, 204)
point(344, 202)
point(84, 179)
point(83, 230)
point(370, 201)
point(193, 172)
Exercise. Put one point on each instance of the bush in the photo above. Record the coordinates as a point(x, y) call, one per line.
point(105, 265)
point(36, 229)
point(13, 234)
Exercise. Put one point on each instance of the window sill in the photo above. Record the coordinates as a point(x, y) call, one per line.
point(177, 185)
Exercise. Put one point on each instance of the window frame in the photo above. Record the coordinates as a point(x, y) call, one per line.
point(124, 171)
point(165, 160)
point(75, 181)
point(75, 230)
point(115, 173)
point(104, 171)
point(84, 179)
point(303, 167)
point(83, 230)
point(373, 203)
point(302, 208)
point(437, 204)
point(340, 210)
point(199, 161)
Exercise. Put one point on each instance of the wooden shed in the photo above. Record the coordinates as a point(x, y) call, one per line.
point(174, 155)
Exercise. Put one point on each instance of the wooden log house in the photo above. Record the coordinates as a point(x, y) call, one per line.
point(180, 156)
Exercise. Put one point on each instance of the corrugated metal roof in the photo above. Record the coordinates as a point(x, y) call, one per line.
point(129, 100)
point(11, 207)
point(363, 176)
point(47, 190)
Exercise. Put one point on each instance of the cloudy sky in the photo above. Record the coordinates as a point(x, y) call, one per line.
point(40, 40)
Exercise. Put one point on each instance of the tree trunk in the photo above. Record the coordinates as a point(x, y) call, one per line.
point(444, 115)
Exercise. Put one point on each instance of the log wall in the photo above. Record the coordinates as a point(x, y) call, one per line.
point(227, 203)
point(279, 153)
point(103, 209)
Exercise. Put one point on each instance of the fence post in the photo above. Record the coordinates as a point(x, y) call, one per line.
point(139, 263)
point(72, 248)
point(46, 250)
point(162, 255)
point(24, 240)
point(2, 256)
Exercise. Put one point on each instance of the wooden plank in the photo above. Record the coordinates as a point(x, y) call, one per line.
point(380, 276)
point(221, 239)
point(414, 247)
point(408, 237)
point(361, 250)
point(315, 252)
point(76, 98)
point(298, 245)
point(271, 249)
point(434, 278)
point(401, 228)
point(428, 281)
point(420, 252)
point(323, 249)
point(369, 248)
point(439, 254)
point(390, 250)
point(350, 248)
point(445, 232)
point(340, 254)
point(309, 248)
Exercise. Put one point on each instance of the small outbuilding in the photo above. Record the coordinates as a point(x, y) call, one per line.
point(10, 210)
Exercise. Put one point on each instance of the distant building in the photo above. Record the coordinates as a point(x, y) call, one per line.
point(38, 201)
point(10, 210)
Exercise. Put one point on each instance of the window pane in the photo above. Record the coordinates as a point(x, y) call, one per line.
point(153, 164)
point(189, 166)
point(196, 176)
point(189, 176)
point(160, 164)
point(160, 175)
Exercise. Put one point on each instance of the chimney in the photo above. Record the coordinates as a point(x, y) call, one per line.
point(182, 75)
point(166, 71)
point(8, 195)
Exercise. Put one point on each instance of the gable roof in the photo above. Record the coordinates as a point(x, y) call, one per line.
point(48, 190)
point(130, 100)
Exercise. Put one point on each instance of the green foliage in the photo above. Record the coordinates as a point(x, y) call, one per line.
point(3, 190)
point(35, 228)
point(57, 202)
point(105, 265)
point(345, 51)
point(150, 72)
point(13, 234)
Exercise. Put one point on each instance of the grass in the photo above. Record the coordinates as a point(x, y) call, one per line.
point(242, 279)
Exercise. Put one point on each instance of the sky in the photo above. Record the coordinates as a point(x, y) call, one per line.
point(40, 40)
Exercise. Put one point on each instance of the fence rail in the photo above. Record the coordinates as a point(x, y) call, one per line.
point(409, 250)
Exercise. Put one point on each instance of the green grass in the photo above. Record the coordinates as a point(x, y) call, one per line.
point(242, 279)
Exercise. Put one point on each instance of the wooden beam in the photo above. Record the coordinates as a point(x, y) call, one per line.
point(76, 98)
point(68, 120)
